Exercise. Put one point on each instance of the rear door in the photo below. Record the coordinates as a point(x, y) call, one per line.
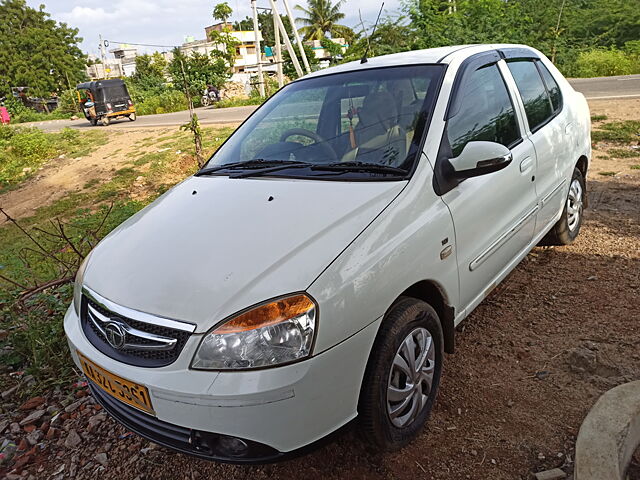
point(493, 214)
point(548, 128)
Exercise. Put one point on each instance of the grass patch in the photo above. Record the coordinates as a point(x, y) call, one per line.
point(617, 132)
point(598, 118)
point(635, 167)
point(624, 152)
point(25, 150)
point(91, 183)
point(608, 174)
point(239, 102)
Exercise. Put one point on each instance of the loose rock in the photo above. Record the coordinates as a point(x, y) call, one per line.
point(554, 474)
point(73, 439)
point(33, 417)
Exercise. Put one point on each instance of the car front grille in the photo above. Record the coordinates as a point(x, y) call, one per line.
point(130, 341)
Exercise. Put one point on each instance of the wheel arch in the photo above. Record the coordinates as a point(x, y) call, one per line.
point(432, 293)
point(583, 164)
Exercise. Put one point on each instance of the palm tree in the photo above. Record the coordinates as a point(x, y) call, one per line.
point(321, 18)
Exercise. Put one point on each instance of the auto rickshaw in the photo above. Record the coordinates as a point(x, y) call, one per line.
point(104, 100)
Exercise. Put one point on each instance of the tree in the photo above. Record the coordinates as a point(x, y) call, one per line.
point(287, 64)
point(199, 71)
point(321, 19)
point(36, 51)
point(392, 35)
point(225, 42)
point(222, 11)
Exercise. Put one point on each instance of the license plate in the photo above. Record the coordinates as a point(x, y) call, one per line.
point(124, 390)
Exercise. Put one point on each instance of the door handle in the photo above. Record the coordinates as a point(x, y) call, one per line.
point(526, 164)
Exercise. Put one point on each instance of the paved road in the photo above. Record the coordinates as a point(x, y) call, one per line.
point(592, 88)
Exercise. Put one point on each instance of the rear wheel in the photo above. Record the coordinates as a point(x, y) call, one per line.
point(105, 121)
point(567, 228)
point(403, 375)
point(132, 117)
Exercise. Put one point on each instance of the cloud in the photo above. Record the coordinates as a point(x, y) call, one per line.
point(168, 22)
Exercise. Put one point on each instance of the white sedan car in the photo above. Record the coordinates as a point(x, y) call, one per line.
point(315, 269)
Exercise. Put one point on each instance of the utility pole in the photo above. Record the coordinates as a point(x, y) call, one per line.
point(103, 56)
point(276, 31)
point(297, 36)
point(287, 42)
point(258, 51)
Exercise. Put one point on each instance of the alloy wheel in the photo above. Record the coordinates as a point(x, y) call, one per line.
point(574, 204)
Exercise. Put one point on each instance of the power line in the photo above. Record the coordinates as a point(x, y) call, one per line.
point(143, 44)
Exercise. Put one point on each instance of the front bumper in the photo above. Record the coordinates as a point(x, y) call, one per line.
point(275, 411)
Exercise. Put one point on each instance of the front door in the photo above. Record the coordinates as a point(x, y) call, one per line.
point(494, 214)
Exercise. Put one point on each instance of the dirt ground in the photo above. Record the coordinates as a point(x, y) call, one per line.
point(531, 360)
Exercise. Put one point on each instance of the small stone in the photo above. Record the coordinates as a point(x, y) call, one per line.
point(474, 453)
point(29, 428)
point(34, 437)
point(7, 393)
point(493, 461)
point(15, 428)
point(32, 417)
point(553, 474)
point(73, 406)
point(51, 433)
point(582, 360)
point(73, 439)
point(101, 458)
point(592, 278)
point(541, 456)
point(32, 403)
point(510, 403)
point(4, 424)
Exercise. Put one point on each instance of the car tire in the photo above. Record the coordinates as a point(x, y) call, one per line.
point(565, 231)
point(132, 117)
point(94, 122)
point(393, 407)
point(106, 121)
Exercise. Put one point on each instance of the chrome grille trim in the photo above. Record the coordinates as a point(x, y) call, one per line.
point(137, 315)
point(161, 342)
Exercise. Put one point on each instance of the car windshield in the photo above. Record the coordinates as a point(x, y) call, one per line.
point(366, 124)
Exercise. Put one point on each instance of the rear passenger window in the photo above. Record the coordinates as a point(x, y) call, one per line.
point(533, 92)
point(552, 87)
point(486, 112)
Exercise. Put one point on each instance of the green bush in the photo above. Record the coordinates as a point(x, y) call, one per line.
point(21, 114)
point(604, 63)
point(165, 102)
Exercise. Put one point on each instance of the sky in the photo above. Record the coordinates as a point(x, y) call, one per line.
point(168, 22)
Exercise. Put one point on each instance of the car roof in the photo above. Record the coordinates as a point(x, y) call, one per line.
point(442, 55)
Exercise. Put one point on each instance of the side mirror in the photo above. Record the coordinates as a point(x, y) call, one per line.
point(479, 158)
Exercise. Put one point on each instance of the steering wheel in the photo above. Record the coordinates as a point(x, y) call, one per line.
point(319, 141)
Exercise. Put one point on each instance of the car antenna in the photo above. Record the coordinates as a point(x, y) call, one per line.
point(366, 52)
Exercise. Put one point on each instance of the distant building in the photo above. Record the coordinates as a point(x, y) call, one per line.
point(323, 54)
point(122, 65)
point(127, 56)
point(246, 57)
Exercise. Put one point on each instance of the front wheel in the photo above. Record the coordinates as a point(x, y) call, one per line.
point(565, 231)
point(402, 376)
point(132, 117)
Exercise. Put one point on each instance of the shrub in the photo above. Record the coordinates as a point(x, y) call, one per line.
point(604, 63)
point(165, 102)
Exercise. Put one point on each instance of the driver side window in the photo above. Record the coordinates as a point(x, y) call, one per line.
point(486, 112)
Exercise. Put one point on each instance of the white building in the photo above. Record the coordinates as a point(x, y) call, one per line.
point(246, 56)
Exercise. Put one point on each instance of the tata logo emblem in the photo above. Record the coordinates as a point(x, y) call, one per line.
point(116, 334)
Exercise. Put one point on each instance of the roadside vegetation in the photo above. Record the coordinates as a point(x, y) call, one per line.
point(39, 254)
point(24, 150)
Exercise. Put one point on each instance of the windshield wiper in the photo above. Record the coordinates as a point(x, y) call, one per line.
point(359, 167)
point(255, 162)
point(282, 165)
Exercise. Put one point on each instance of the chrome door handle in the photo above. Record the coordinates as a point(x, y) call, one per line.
point(526, 164)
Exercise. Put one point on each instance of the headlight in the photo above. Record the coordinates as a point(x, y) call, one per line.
point(275, 333)
point(77, 286)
